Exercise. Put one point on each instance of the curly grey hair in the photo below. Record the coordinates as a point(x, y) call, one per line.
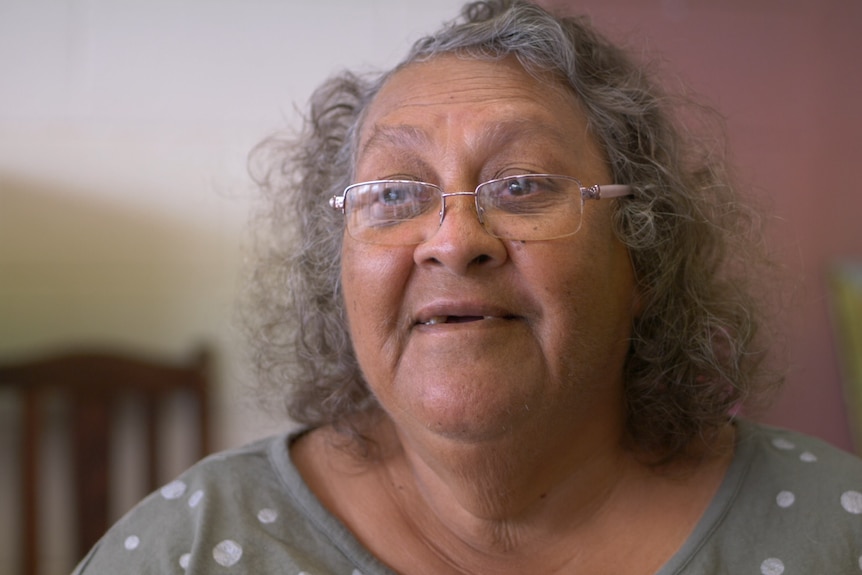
point(694, 355)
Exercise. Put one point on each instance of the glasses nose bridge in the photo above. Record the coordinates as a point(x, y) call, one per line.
point(444, 195)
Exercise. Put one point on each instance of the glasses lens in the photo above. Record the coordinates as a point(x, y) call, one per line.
point(531, 207)
point(389, 211)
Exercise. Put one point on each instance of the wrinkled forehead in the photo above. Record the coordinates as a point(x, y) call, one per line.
point(496, 99)
point(451, 74)
point(502, 86)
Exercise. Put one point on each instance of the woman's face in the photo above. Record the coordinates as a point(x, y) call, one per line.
point(466, 335)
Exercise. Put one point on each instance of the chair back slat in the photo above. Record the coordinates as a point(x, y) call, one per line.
point(89, 387)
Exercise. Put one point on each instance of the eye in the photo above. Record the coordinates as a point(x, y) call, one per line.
point(531, 194)
point(394, 194)
point(521, 186)
point(517, 187)
point(389, 202)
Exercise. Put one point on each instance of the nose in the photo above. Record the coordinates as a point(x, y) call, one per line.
point(460, 243)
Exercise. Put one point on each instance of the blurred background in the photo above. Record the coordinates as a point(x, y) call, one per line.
point(125, 127)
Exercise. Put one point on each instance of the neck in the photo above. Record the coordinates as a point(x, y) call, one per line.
point(477, 488)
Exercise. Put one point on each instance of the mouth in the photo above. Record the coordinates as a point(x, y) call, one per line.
point(451, 313)
point(439, 319)
point(451, 319)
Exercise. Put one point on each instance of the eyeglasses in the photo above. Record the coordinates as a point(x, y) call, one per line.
point(524, 207)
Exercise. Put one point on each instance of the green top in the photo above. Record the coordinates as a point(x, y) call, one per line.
point(789, 504)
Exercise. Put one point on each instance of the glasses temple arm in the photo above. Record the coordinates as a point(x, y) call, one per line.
point(597, 192)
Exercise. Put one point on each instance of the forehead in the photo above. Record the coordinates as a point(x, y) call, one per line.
point(474, 99)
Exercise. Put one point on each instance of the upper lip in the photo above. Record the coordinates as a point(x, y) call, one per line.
point(451, 309)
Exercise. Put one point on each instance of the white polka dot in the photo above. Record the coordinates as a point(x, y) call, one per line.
point(227, 553)
point(196, 498)
point(267, 515)
point(785, 499)
point(783, 444)
point(808, 457)
point(185, 558)
point(132, 542)
point(772, 566)
point(851, 501)
point(173, 490)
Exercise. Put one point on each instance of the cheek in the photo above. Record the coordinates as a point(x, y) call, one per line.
point(373, 280)
point(589, 297)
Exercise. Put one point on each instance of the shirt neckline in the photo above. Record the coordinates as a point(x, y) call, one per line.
point(356, 553)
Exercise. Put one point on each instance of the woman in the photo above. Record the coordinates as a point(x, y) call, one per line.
point(521, 341)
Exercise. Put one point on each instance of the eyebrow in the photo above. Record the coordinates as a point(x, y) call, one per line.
point(406, 137)
point(399, 137)
point(520, 129)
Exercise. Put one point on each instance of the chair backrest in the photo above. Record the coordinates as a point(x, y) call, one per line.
point(90, 386)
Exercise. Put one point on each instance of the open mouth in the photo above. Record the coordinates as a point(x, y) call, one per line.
point(436, 320)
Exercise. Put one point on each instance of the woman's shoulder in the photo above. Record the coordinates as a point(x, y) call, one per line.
point(214, 495)
point(785, 458)
point(802, 481)
point(220, 514)
point(789, 503)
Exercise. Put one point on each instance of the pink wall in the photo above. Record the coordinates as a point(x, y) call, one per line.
point(787, 76)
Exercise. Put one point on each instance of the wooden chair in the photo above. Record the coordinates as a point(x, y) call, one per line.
point(91, 386)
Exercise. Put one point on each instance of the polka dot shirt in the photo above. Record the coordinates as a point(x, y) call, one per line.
point(789, 505)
